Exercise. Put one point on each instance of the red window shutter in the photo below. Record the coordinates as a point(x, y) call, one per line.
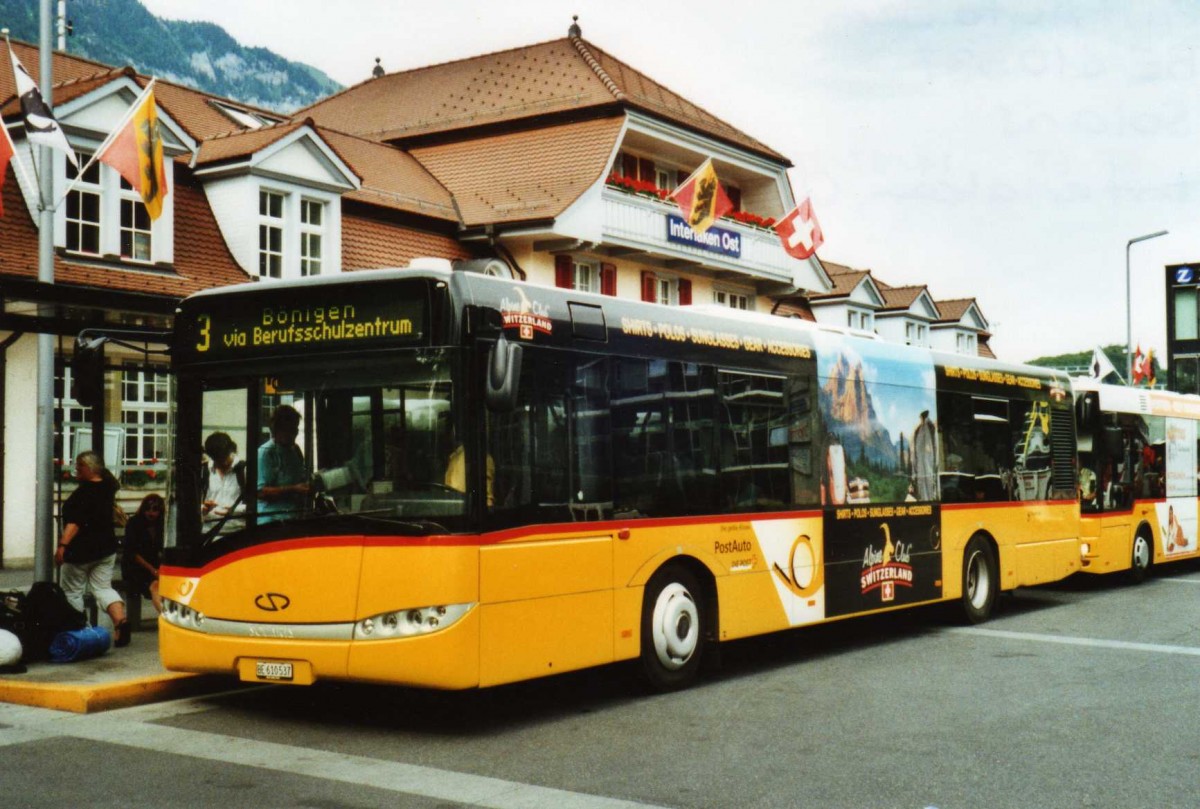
point(629, 166)
point(645, 169)
point(649, 287)
point(685, 292)
point(735, 196)
point(562, 272)
point(608, 279)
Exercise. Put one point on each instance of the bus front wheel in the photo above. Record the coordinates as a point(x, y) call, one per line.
point(1141, 559)
point(672, 629)
point(981, 581)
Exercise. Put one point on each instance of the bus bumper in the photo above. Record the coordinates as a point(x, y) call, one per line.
point(447, 660)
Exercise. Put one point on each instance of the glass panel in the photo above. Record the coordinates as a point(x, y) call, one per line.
point(346, 443)
point(1185, 314)
point(754, 442)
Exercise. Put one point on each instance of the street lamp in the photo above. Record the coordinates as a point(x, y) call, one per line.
point(1128, 305)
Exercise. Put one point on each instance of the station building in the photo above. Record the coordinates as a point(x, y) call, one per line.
point(554, 158)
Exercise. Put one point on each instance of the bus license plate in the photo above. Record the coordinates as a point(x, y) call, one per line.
point(270, 670)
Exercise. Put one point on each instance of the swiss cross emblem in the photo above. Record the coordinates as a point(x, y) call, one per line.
point(800, 232)
point(888, 591)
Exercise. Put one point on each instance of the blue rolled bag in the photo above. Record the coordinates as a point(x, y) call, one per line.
point(74, 645)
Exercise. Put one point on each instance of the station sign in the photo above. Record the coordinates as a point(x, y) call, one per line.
point(714, 240)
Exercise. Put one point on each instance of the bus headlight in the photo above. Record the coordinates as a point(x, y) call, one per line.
point(182, 615)
point(410, 622)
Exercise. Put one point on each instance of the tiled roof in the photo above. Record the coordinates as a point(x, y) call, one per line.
point(371, 244)
point(953, 310)
point(74, 76)
point(521, 176)
point(795, 306)
point(833, 268)
point(985, 348)
point(391, 178)
point(237, 144)
point(844, 283)
point(901, 297)
point(565, 75)
point(205, 263)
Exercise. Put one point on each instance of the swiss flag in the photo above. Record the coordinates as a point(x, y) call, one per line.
point(800, 232)
point(6, 154)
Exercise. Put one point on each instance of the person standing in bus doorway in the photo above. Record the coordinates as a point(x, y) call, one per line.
point(87, 549)
point(283, 484)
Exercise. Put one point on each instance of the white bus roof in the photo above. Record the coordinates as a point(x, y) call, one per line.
point(1122, 399)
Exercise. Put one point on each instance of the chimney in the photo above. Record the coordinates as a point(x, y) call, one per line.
point(377, 71)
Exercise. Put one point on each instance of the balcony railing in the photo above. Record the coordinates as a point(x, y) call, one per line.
point(640, 223)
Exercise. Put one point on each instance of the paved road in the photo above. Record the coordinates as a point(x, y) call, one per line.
point(1084, 694)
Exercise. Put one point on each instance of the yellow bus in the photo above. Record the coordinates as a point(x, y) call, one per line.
point(1137, 472)
point(492, 481)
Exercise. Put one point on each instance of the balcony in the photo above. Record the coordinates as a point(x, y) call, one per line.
point(638, 224)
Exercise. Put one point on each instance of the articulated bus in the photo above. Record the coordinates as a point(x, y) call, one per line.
point(1137, 472)
point(504, 481)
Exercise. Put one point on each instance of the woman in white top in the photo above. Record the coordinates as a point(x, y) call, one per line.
point(224, 474)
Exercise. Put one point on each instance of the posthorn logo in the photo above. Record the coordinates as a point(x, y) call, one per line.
point(272, 602)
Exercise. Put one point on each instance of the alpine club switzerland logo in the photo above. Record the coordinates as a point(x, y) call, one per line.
point(884, 569)
point(272, 602)
point(525, 315)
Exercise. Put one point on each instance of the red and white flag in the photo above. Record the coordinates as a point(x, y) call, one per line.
point(1139, 365)
point(6, 154)
point(800, 232)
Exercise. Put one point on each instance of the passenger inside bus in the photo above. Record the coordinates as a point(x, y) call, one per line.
point(223, 480)
point(283, 484)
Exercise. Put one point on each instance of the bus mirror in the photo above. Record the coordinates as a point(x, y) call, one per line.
point(1114, 445)
point(504, 369)
point(87, 370)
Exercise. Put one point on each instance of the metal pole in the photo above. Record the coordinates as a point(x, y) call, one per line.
point(1129, 304)
point(43, 519)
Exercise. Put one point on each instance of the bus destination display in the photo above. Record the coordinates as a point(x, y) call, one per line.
point(266, 327)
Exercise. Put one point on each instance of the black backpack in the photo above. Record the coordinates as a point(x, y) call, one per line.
point(37, 617)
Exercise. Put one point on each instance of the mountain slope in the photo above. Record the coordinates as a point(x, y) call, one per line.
point(196, 54)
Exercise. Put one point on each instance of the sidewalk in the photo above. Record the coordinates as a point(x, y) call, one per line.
point(117, 679)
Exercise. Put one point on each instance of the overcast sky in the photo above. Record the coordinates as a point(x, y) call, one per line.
point(1005, 151)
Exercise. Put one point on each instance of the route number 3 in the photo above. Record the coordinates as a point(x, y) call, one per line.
point(205, 332)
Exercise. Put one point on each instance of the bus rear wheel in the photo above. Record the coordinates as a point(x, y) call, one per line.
point(981, 581)
point(1141, 558)
point(673, 616)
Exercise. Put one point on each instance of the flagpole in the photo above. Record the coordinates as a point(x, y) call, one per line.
point(43, 518)
point(116, 130)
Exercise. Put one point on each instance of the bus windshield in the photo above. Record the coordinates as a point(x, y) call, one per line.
point(358, 446)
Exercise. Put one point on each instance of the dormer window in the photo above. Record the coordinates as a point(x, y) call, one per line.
point(312, 217)
point(245, 118)
point(915, 334)
point(135, 225)
point(860, 319)
point(83, 207)
point(270, 234)
point(105, 217)
point(966, 344)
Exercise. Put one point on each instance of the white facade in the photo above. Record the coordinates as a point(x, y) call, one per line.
point(961, 337)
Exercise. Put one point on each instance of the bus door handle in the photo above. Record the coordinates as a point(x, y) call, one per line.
point(623, 533)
